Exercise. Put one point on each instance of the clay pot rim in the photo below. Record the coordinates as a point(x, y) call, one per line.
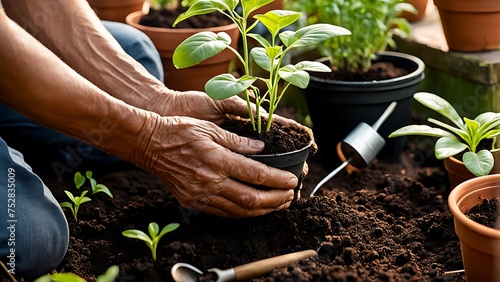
point(477, 6)
point(464, 190)
point(133, 20)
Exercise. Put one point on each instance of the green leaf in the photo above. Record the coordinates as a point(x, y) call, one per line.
point(60, 277)
point(78, 179)
point(137, 234)
point(275, 20)
point(199, 47)
point(83, 200)
point(70, 195)
point(441, 106)
point(479, 164)
point(488, 117)
point(447, 147)
point(226, 85)
point(296, 77)
point(261, 58)
point(66, 205)
point(103, 188)
point(168, 228)
point(252, 5)
point(88, 174)
point(93, 183)
point(153, 229)
point(260, 39)
point(312, 66)
point(200, 7)
point(311, 35)
point(110, 274)
point(423, 130)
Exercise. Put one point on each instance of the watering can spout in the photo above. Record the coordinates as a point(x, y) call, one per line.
point(361, 146)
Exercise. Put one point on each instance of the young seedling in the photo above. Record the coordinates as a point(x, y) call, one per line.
point(109, 276)
point(77, 201)
point(269, 54)
point(464, 135)
point(79, 180)
point(154, 235)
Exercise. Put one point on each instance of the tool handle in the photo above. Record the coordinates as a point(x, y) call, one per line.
point(261, 267)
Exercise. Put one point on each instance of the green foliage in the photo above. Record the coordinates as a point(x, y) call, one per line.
point(372, 22)
point(269, 54)
point(154, 235)
point(109, 276)
point(77, 201)
point(464, 134)
point(163, 4)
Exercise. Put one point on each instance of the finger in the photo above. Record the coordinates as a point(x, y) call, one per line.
point(257, 173)
point(236, 143)
point(244, 201)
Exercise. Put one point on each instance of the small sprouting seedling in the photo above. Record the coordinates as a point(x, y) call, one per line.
point(154, 235)
point(79, 180)
point(109, 276)
point(77, 201)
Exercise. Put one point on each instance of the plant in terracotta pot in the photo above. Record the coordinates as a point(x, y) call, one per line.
point(157, 24)
point(269, 55)
point(474, 136)
point(366, 78)
point(115, 10)
point(479, 242)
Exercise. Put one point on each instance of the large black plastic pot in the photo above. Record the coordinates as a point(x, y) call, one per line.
point(337, 107)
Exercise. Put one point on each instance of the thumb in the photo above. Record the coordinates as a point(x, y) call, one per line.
point(236, 143)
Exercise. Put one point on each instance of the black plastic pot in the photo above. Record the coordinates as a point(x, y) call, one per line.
point(337, 107)
point(290, 161)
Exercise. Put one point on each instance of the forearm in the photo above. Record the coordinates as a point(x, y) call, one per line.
point(36, 83)
point(73, 32)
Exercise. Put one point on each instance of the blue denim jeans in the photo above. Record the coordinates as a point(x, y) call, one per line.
point(34, 232)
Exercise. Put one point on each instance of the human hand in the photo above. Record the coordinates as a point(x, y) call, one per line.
point(199, 105)
point(204, 168)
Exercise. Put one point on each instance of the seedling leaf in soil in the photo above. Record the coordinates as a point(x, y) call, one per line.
point(109, 276)
point(77, 202)
point(154, 235)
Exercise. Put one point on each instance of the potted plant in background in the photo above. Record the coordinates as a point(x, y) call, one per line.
point(420, 7)
point(157, 24)
point(479, 243)
point(470, 26)
point(477, 137)
point(356, 91)
point(270, 56)
point(115, 10)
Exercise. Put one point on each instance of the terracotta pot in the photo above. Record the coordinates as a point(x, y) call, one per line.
point(115, 10)
point(470, 25)
point(458, 173)
point(480, 244)
point(421, 6)
point(167, 39)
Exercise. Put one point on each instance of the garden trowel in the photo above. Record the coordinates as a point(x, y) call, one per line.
point(361, 146)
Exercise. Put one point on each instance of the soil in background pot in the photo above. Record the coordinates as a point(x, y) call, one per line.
point(165, 18)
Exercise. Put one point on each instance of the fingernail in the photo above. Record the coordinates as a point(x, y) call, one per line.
point(256, 144)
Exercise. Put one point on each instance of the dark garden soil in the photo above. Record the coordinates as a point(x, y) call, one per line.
point(386, 222)
point(166, 18)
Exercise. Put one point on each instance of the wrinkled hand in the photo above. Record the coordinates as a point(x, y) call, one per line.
point(199, 105)
point(203, 167)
